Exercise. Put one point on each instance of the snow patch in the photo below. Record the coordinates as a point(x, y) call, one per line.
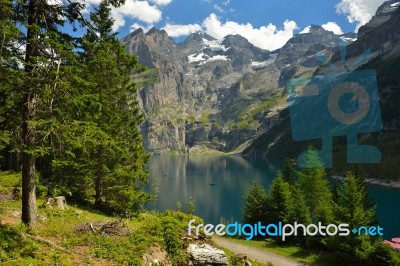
point(395, 4)
point(306, 30)
point(347, 39)
point(196, 58)
point(215, 45)
point(262, 64)
point(215, 58)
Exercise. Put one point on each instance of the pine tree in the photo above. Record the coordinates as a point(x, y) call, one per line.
point(316, 190)
point(353, 207)
point(255, 203)
point(10, 98)
point(288, 173)
point(279, 200)
point(51, 100)
point(352, 203)
point(111, 118)
point(298, 209)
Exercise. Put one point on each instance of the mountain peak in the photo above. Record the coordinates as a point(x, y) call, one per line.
point(312, 29)
point(388, 7)
point(154, 30)
point(198, 37)
point(383, 14)
point(237, 41)
point(133, 34)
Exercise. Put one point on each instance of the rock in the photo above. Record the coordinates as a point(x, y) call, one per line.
point(156, 255)
point(211, 93)
point(205, 254)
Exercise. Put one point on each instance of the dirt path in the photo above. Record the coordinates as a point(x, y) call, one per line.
point(254, 253)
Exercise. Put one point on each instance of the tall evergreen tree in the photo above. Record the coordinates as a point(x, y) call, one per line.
point(298, 209)
point(352, 203)
point(9, 80)
point(113, 118)
point(47, 127)
point(316, 190)
point(255, 204)
point(279, 200)
point(353, 208)
point(288, 173)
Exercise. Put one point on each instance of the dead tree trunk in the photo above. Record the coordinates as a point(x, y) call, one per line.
point(58, 201)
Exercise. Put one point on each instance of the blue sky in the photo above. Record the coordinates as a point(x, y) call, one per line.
point(266, 23)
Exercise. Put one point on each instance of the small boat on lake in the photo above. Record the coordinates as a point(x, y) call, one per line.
point(212, 184)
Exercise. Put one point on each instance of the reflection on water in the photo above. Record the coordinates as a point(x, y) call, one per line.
point(178, 177)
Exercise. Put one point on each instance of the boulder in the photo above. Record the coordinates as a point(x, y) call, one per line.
point(205, 254)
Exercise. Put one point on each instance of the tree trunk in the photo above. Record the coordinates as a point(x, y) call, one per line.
point(98, 200)
point(29, 210)
point(28, 191)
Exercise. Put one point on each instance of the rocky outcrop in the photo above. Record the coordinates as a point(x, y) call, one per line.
point(380, 34)
point(380, 37)
point(205, 254)
point(216, 93)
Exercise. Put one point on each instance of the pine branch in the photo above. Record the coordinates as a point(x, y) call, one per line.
point(85, 21)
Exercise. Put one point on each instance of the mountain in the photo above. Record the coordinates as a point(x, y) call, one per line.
point(376, 48)
point(205, 93)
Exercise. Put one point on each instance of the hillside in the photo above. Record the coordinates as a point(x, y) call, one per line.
point(205, 93)
point(381, 37)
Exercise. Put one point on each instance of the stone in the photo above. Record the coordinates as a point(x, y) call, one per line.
point(205, 254)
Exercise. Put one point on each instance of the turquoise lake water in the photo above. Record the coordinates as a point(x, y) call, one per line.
point(179, 177)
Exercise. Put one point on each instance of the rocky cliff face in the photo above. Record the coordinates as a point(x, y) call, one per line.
point(377, 48)
point(217, 94)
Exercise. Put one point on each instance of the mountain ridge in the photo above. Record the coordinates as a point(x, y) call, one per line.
point(218, 94)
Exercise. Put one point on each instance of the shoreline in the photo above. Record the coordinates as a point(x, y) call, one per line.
point(373, 181)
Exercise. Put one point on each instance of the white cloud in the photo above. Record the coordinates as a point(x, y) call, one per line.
point(161, 2)
point(267, 37)
point(135, 9)
point(176, 30)
point(332, 26)
point(147, 11)
point(218, 8)
point(226, 2)
point(358, 11)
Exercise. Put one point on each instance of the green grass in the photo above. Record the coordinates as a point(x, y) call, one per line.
point(166, 229)
point(57, 226)
point(10, 180)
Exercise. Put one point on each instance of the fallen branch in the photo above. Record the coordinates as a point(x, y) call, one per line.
point(48, 242)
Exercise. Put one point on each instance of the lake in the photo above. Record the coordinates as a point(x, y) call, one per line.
point(178, 177)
